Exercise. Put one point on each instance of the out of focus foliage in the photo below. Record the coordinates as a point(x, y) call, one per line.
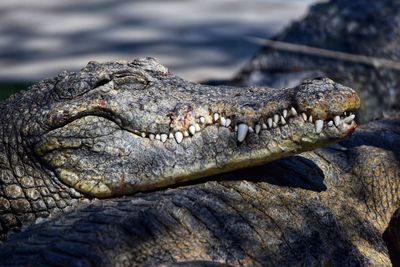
point(9, 88)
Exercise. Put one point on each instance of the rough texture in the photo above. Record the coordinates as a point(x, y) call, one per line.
point(392, 238)
point(353, 27)
point(121, 127)
point(328, 207)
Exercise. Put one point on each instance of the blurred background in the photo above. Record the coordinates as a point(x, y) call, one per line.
point(196, 39)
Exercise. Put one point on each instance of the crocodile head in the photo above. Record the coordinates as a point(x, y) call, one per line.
point(122, 127)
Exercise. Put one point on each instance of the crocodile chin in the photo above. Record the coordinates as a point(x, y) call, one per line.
point(119, 128)
point(99, 157)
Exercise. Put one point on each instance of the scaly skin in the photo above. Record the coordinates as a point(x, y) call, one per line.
point(95, 133)
point(339, 25)
point(328, 207)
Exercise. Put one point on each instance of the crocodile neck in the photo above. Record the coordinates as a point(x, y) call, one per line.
point(27, 189)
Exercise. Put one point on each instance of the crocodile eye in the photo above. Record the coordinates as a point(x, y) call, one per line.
point(74, 84)
point(130, 80)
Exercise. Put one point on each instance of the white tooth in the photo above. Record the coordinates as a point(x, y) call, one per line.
point(276, 118)
point(336, 120)
point(236, 128)
point(304, 116)
point(216, 116)
point(151, 136)
point(274, 125)
point(171, 136)
point(143, 134)
point(242, 132)
point(293, 111)
point(185, 133)
point(330, 123)
point(283, 121)
point(257, 128)
point(349, 118)
point(164, 137)
point(251, 130)
point(284, 113)
point(264, 126)
point(192, 129)
point(228, 122)
point(197, 127)
point(178, 137)
point(319, 125)
point(269, 122)
point(202, 120)
point(310, 118)
point(223, 121)
point(158, 137)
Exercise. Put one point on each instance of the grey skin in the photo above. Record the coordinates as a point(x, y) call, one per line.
point(328, 207)
point(79, 135)
point(353, 27)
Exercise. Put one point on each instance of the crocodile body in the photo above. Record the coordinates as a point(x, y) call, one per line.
point(121, 127)
point(370, 30)
point(327, 207)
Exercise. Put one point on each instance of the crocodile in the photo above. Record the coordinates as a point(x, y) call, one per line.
point(328, 207)
point(366, 31)
point(118, 128)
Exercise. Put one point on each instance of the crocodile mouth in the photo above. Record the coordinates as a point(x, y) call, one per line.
point(102, 158)
point(343, 122)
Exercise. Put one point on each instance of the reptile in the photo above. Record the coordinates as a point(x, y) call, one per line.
point(118, 128)
point(283, 213)
point(368, 31)
point(326, 207)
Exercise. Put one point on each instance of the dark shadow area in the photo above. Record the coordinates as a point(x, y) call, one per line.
point(294, 171)
point(9, 88)
point(383, 134)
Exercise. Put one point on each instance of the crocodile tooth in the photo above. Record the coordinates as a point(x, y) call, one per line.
point(264, 126)
point(202, 120)
point(143, 134)
point(192, 129)
point(349, 118)
point(197, 127)
point(236, 128)
point(171, 136)
point(151, 136)
point(330, 123)
point(223, 121)
point(293, 111)
point(242, 132)
point(158, 137)
point(336, 119)
point(164, 138)
point(274, 124)
point(283, 121)
point(228, 122)
point(251, 130)
point(276, 118)
point(257, 128)
point(269, 122)
point(310, 119)
point(185, 133)
point(304, 116)
point(216, 116)
point(319, 125)
point(178, 137)
point(284, 113)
